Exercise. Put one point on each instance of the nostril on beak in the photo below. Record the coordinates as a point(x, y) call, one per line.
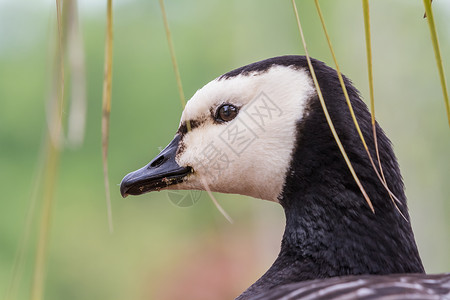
point(157, 162)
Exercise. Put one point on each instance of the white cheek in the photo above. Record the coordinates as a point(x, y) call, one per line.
point(251, 154)
point(252, 163)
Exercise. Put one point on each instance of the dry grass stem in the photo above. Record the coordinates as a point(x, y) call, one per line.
point(216, 203)
point(50, 175)
point(366, 14)
point(106, 104)
point(437, 54)
point(51, 162)
point(355, 121)
point(75, 51)
point(327, 115)
point(19, 258)
point(182, 98)
point(173, 57)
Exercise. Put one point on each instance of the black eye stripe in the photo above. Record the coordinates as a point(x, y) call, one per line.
point(230, 113)
point(183, 129)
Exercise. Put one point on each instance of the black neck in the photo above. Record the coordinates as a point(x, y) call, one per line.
point(324, 238)
point(330, 229)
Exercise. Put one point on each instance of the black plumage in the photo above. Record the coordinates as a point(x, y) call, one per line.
point(334, 246)
point(367, 287)
point(330, 229)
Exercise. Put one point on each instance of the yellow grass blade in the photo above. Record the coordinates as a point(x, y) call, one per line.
point(50, 174)
point(341, 79)
point(19, 258)
point(425, 14)
point(173, 57)
point(56, 101)
point(107, 85)
point(327, 115)
point(437, 54)
point(50, 168)
point(355, 121)
point(216, 203)
point(172, 54)
point(366, 14)
point(76, 122)
point(183, 99)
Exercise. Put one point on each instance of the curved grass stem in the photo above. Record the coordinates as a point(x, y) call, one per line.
point(183, 99)
point(106, 107)
point(327, 115)
point(50, 166)
point(50, 175)
point(366, 13)
point(347, 98)
point(437, 54)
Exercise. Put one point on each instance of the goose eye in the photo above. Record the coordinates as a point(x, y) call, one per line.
point(226, 112)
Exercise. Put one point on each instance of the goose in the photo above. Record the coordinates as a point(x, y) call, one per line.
point(260, 131)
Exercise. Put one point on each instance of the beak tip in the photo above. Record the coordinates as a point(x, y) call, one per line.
point(123, 189)
point(161, 172)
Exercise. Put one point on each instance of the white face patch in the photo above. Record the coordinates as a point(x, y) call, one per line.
point(250, 154)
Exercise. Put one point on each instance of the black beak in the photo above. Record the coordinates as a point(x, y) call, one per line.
point(161, 172)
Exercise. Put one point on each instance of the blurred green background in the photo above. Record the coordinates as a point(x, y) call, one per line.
point(159, 250)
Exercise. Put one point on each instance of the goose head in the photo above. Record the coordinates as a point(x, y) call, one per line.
point(236, 135)
point(260, 131)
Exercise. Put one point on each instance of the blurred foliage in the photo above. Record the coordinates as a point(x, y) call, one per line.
point(152, 236)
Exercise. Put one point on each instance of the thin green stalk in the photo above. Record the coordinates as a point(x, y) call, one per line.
point(355, 121)
point(327, 115)
point(174, 59)
point(107, 86)
point(61, 52)
point(365, 4)
point(437, 54)
point(172, 54)
point(50, 168)
point(19, 259)
point(76, 119)
point(366, 13)
point(183, 99)
point(341, 79)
